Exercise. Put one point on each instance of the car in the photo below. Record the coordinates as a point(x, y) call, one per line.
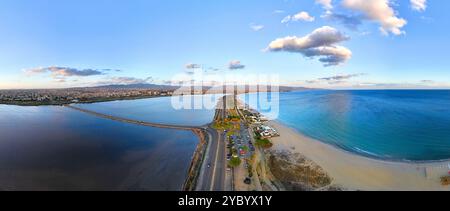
point(209, 165)
point(248, 181)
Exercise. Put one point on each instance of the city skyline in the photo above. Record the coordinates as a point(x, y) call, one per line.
point(337, 44)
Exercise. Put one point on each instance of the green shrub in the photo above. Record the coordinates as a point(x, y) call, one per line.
point(235, 162)
point(264, 143)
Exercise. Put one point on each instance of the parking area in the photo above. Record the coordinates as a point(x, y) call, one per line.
point(240, 145)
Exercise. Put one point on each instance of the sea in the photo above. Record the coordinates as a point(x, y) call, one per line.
point(399, 125)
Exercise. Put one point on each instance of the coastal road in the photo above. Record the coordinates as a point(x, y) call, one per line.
point(131, 121)
point(213, 170)
point(214, 165)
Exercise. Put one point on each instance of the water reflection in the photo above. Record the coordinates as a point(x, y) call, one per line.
point(54, 148)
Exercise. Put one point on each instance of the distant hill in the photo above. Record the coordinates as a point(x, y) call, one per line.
point(168, 87)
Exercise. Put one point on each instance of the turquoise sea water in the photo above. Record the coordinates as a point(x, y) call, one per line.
point(411, 125)
point(56, 148)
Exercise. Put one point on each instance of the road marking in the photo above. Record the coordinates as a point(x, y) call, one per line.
point(215, 164)
point(200, 181)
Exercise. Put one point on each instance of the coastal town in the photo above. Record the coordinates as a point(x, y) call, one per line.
point(33, 97)
point(76, 95)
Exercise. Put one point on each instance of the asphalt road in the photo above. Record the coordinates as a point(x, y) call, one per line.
point(213, 173)
point(214, 166)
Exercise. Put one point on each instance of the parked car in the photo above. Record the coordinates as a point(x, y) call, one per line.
point(248, 181)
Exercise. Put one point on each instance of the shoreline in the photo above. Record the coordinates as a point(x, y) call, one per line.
point(193, 173)
point(34, 103)
point(196, 161)
point(367, 155)
point(102, 100)
point(357, 172)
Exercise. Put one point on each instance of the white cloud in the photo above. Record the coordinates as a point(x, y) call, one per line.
point(379, 11)
point(419, 5)
point(235, 65)
point(65, 71)
point(286, 19)
point(301, 16)
point(256, 27)
point(320, 43)
point(327, 4)
point(278, 11)
point(341, 77)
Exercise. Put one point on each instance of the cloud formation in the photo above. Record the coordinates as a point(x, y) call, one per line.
point(256, 27)
point(419, 5)
point(341, 77)
point(327, 4)
point(65, 71)
point(192, 66)
point(301, 16)
point(125, 81)
point(350, 21)
point(427, 81)
point(278, 11)
point(235, 65)
point(337, 80)
point(379, 11)
point(320, 43)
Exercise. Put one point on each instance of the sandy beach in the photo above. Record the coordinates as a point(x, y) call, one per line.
point(355, 172)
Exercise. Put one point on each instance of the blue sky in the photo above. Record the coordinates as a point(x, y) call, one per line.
point(54, 43)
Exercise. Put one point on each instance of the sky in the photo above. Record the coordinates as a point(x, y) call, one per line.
point(341, 44)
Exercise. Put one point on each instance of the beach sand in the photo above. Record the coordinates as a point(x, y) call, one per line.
point(354, 172)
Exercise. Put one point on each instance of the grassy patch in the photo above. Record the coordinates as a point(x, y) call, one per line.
point(263, 143)
point(235, 162)
point(245, 148)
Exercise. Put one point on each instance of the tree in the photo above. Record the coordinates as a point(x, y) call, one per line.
point(235, 162)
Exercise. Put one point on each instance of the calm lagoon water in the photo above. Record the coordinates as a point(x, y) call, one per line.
point(396, 125)
point(159, 110)
point(55, 148)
